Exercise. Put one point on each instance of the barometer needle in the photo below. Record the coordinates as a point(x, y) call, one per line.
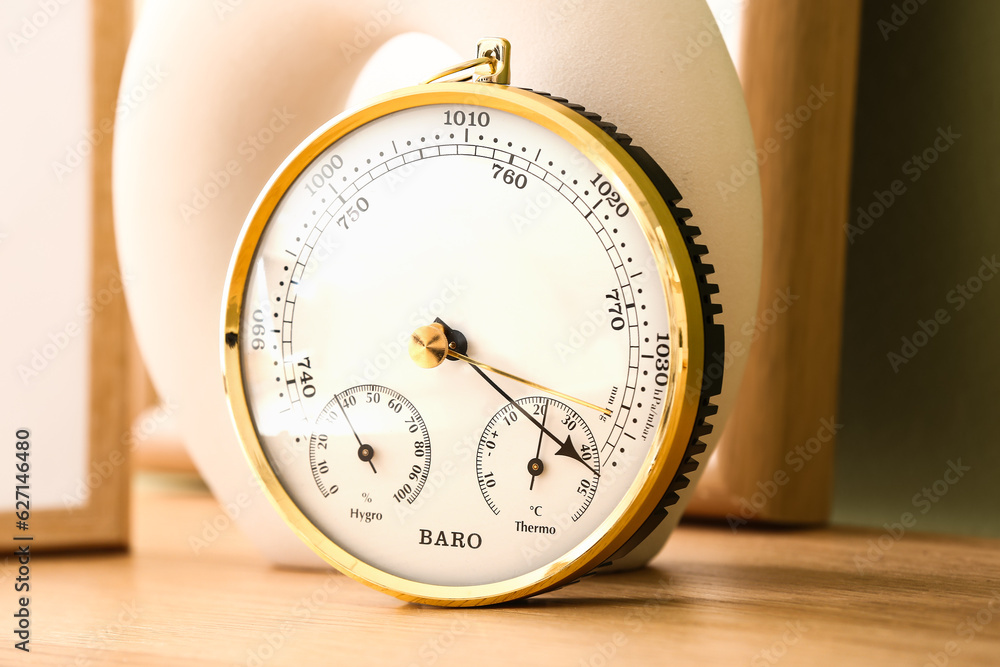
point(462, 357)
point(566, 447)
point(431, 344)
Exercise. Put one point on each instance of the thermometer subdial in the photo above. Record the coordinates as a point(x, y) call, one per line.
point(537, 462)
point(371, 447)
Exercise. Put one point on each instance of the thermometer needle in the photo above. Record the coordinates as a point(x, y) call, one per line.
point(535, 466)
point(429, 347)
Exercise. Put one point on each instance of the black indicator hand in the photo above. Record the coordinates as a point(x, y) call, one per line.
point(566, 447)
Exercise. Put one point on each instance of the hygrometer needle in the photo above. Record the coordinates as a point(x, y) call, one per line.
point(365, 452)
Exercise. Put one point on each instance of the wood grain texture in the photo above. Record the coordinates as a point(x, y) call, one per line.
point(111, 339)
point(711, 597)
point(799, 71)
point(103, 520)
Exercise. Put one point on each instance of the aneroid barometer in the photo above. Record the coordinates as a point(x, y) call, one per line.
point(465, 329)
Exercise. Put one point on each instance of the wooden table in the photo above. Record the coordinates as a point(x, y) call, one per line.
point(756, 597)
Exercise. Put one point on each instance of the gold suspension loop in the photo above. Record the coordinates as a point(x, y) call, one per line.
point(468, 64)
point(492, 64)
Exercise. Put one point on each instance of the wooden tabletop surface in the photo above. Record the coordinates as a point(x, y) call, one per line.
point(712, 597)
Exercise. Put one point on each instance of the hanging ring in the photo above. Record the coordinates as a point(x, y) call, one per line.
point(461, 67)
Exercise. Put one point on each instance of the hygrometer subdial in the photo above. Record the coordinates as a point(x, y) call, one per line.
point(370, 446)
point(537, 462)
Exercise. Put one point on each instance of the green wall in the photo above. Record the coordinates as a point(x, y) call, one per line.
point(937, 75)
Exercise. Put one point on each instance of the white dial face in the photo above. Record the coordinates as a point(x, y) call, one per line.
point(521, 247)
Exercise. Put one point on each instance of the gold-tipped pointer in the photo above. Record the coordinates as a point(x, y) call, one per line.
point(429, 347)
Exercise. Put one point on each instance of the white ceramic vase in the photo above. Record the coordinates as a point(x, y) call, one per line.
point(231, 87)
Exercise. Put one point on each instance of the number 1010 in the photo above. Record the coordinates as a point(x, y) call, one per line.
point(472, 119)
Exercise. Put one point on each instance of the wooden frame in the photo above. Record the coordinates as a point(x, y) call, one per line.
point(788, 400)
point(103, 520)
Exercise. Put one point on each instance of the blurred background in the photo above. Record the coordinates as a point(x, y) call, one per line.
point(910, 365)
point(927, 110)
